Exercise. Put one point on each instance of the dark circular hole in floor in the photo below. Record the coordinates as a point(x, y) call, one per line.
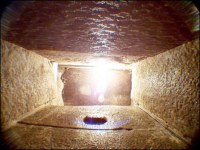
point(95, 120)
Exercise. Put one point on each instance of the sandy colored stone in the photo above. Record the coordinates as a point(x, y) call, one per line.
point(142, 136)
point(60, 87)
point(72, 117)
point(167, 86)
point(27, 82)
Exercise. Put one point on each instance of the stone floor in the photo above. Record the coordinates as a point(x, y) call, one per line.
point(62, 127)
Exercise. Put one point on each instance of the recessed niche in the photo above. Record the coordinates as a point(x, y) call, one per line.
point(95, 120)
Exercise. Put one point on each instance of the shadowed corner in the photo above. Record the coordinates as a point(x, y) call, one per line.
point(195, 144)
point(7, 141)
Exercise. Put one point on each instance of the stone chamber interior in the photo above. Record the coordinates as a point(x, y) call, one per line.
point(100, 75)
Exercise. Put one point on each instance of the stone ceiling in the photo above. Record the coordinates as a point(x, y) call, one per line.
point(74, 32)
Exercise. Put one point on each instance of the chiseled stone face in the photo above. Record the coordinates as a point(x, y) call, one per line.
point(101, 28)
point(27, 82)
point(62, 127)
point(167, 85)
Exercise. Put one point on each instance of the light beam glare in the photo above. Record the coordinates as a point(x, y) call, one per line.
point(101, 77)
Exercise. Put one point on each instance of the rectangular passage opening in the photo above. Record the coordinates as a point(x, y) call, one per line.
point(96, 86)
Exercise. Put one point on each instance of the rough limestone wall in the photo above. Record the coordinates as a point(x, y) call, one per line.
point(60, 87)
point(167, 86)
point(27, 82)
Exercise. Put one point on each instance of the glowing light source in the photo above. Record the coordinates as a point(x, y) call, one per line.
point(55, 70)
point(101, 76)
point(101, 98)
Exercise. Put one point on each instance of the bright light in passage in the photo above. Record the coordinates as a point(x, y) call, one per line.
point(55, 70)
point(101, 76)
point(101, 98)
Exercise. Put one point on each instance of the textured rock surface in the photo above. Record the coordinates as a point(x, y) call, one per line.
point(141, 137)
point(167, 85)
point(72, 117)
point(60, 87)
point(129, 28)
point(27, 82)
point(82, 86)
